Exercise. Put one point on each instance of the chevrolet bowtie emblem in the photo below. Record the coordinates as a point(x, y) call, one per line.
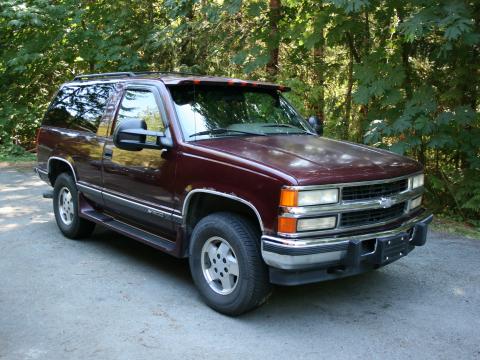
point(385, 202)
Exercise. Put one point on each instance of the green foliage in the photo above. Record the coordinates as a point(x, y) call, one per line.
point(15, 153)
point(402, 75)
point(455, 194)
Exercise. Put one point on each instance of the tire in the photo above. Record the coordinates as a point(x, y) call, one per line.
point(213, 266)
point(68, 221)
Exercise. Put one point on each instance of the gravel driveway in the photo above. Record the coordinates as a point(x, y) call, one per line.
point(109, 297)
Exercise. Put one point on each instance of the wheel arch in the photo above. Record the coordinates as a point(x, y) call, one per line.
point(193, 208)
point(57, 165)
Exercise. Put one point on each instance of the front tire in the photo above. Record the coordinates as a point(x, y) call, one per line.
point(226, 264)
point(65, 208)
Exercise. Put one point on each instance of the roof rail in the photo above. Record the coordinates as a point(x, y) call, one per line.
point(165, 72)
point(103, 75)
point(130, 74)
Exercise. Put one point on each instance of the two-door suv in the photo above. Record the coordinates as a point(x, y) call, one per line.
point(226, 173)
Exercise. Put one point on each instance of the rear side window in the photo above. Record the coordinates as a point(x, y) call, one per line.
point(79, 107)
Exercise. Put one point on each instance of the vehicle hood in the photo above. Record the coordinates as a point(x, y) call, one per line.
point(314, 160)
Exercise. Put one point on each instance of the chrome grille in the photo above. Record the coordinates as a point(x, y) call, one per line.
point(371, 216)
point(371, 191)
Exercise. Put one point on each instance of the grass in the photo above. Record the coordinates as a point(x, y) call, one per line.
point(442, 224)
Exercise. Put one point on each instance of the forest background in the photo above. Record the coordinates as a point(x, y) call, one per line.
point(400, 74)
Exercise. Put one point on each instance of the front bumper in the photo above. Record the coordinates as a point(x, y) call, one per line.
point(301, 261)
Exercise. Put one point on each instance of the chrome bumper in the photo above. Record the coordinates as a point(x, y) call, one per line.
point(315, 253)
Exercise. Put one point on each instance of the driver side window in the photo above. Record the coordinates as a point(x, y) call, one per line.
point(141, 104)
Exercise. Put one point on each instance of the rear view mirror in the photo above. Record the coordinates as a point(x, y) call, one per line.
point(316, 124)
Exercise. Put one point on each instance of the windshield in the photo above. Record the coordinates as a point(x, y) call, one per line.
point(216, 111)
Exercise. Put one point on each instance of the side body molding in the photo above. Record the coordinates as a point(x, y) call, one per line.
point(186, 203)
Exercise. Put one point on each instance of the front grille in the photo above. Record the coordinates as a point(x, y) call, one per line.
point(363, 192)
point(371, 216)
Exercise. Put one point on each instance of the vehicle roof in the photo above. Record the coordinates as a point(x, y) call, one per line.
point(173, 78)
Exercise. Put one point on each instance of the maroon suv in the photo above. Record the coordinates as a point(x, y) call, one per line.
point(227, 173)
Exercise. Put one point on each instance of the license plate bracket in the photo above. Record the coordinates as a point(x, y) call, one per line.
point(392, 248)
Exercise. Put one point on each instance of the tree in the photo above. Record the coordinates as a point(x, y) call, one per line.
point(400, 74)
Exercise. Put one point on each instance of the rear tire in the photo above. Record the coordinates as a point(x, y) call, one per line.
point(226, 264)
point(65, 208)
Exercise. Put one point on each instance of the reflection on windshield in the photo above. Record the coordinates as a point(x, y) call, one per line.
point(217, 111)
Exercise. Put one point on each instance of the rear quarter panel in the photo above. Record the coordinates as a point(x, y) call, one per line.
point(81, 149)
point(54, 142)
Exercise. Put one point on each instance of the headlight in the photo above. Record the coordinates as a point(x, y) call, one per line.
point(317, 197)
point(290, 197)
point(416, 202)
point(322, 223)
point(417, 181)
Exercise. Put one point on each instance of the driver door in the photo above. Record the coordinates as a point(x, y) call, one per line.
point(138, 185)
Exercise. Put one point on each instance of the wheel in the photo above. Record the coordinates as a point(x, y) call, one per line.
point(65, 207)
point(226, 264)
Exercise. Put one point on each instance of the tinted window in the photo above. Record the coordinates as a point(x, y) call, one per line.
point(141, 104)
point(215, 111)
point(79, 107)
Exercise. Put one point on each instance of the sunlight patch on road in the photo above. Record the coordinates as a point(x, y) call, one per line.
point(7, 227)
point(15, 211)
point(458, 291)
point(12, 188)
point(41, 219)
point(15, 197)
point(33, 354)
point(34, 183)
point(26, 185)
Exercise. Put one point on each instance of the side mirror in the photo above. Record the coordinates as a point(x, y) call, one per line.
point(127, 141)
point(316, 124)
point(132, 134)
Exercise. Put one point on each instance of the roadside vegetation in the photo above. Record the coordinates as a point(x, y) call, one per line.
point(401, 75)
point(445, 224)
point(15, 153)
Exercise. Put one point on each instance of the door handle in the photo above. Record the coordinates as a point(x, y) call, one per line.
point(108, 153)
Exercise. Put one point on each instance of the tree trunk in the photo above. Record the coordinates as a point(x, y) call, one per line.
point(319, 76)
point(187, 56)
point(363, 116)
point(407, 84)
point(274, 42)
point(367, 33)
point(363, 119)
point(348, 99)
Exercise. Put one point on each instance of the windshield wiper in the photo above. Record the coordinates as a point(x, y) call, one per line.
point(287, 126)
point(223, 131)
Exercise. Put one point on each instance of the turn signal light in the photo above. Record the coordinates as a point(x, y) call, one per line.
point(288, 197)
point(287, 225)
